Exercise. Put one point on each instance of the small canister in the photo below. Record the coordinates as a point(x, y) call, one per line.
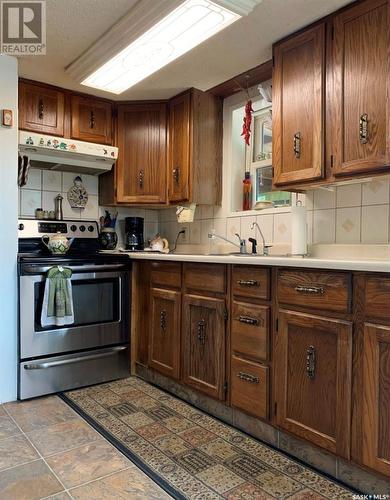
point(108, 238)
point(39, 213)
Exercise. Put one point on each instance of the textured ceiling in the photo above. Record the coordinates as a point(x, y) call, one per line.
point(73, 25)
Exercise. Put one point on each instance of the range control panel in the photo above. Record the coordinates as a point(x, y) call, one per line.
point(29, 228)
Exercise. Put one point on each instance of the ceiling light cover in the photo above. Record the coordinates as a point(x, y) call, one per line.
point(184, 28)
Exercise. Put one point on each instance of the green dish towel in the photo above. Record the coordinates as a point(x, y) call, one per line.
point(57, 308)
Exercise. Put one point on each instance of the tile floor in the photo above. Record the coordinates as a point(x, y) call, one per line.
point(48, 451)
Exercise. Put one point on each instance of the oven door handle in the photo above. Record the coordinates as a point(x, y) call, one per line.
point(33, 269)
point(79, 359)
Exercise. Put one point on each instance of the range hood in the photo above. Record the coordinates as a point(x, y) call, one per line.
point(56, 153)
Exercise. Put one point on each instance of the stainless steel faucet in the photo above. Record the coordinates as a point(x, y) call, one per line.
point(265, 247)
point(241, 245)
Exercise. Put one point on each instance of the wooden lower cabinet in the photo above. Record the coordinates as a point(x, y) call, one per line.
point(203, 344)
point(249, 387)
point(164, 343)
point(313, 363)
point(376, 398)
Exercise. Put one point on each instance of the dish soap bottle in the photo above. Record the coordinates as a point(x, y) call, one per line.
point(247, 192)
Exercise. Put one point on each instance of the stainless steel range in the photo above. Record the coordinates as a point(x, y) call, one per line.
point(95, 348)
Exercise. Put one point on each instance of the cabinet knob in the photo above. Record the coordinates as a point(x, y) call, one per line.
point(363, 128)
point(176, 174)
point(297, 145)
point(41, 109)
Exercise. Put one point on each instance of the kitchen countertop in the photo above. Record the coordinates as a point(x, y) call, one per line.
point(348, 264)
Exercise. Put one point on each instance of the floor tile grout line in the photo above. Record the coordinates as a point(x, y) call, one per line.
point(101, 477)
point(20, 465)
point(40, 455)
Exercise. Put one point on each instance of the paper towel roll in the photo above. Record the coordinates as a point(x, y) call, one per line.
point(298, 230)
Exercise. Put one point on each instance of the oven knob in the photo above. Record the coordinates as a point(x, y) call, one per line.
point(73, 228)
point(21, 227)
point(91, 229)
point(82, 228)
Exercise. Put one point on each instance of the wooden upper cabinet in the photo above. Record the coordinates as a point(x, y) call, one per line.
point(376, 400)
point(91, 120)
point(141, 165)
point(195, 148)
point(313, 366)
point(164, 342)
point(41, 109)
point(179, 148)
point(203, 344)
point(361, 80)
point(298, 107)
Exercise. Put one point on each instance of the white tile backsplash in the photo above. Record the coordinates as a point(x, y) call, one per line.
point(233, 226)
point(48, 200)
point(324, 226)
point(375, 224)
point(246, 223)
point(282, 228)
point(266, 223)
point(30, 200)
point(376, 192)
point(348, 225)
point(324, 199)
point(91, 210)
point(195, 231)
point(349, 196)
point(52, 181)
point(34, 179)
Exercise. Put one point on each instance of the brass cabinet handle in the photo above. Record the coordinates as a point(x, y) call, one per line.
point(310, 289)
point(141, 175)
point(363, 128)
point(176, 174)
point(311, 362)
point(163, 320)
point(248, 320)
point(247, 377)
point(202, 331)
point(248, 282)
point(297, 145)
point(41, 109)
point(92, 119)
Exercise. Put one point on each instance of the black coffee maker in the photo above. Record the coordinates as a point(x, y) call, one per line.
point(134, 229)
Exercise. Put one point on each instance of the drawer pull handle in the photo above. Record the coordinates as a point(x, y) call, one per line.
point(311, 362)
point(163, 320)
point(248, 320)
point(248, 282)
point(309, 289)
point(176, 174)
point(92, 119)
point(363, 128)
point(247, 377)
point(41, 109)
point(202, 331)
point(141, 174)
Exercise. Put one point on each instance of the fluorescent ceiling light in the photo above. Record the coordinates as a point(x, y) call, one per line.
point(184, 28)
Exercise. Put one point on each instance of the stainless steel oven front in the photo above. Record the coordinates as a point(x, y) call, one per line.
point(101, 309)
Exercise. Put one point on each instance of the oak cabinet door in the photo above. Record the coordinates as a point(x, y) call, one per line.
point(376, 401)
point(203, 344)
point(361, 74)
point(164, 350)
point(41, 109)
point(91, 120)
point(313, 379)
point(298, 107)
point(141, 165)
point(179, 148)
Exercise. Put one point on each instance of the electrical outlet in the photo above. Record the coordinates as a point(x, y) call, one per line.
point(185, 237)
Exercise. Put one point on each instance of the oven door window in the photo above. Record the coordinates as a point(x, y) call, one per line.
point(95, 301)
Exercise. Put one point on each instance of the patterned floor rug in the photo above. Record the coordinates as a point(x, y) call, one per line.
point(190, 454)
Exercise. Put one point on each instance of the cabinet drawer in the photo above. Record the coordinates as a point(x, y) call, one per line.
point(315, 289)
point(207, 277)
point(249, 383)
point(167, 274)
point(250, 325)
point(250, 281)
point(377, 297)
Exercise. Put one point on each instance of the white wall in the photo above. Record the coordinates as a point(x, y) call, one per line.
point(8, 242)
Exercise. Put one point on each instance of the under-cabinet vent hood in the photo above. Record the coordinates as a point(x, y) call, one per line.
point(56, 153)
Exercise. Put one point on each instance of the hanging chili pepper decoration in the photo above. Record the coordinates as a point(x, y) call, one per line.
point(246, 127)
